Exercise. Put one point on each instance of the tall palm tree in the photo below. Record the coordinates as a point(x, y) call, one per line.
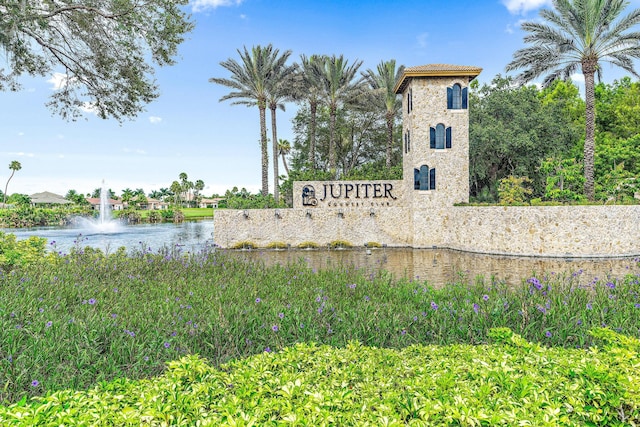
point(308, 87)
point(279, 90)
point(383, 83)
point(579, 34)
point(338, 88)
point(14, 166)
point(284, 147)
point(249, 79)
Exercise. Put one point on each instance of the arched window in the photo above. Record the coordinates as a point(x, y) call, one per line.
point(440, 137)
point(424, 178)
point(457, 97)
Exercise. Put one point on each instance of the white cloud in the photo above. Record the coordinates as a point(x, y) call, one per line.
point(89, 107)
point(512, 27)
point(22, 154)
point(422, 39)
point(20, 133)
point(58, 80)
point(155, 119)
point(523, 6)
point(134, 150)
point(201, 5)
point(577, 78)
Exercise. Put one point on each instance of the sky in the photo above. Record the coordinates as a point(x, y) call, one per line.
point(187, 129)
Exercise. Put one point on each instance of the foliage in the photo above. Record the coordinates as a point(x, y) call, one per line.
point(509, 383)
point(277, 245)
point(20, 252)
point(511, 130)
point(335, 244)
point(104, 48)
point(579, 36)
point(565, 180)
point(513, 190)
point(245, 245)
point(25, 215)
point(13, 166)
point(243, 199)
point(308, 245)
point(85, 317)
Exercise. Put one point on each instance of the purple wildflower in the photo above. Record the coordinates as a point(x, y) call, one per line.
point(92, 301)
point(281, 315)
point(352, 286)
point(476, 307)
point(485, 297)
point(48, 324)
point(434, 306)
point(167, 345)
point(267, 349)
point(366, 298)
point(589, 306)
point(41, 310)
point(548, 334)
point(611, 285)
point(636, 305)
point(35, 383)
point(258, 300)
point(403, 332)
point(320, 310)
point(275, 328)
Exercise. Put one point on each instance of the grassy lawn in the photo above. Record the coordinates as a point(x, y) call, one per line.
point(73, 322)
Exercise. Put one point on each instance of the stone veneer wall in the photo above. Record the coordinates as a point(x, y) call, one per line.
point(553, 231)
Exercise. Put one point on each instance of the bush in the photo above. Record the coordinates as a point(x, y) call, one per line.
point(506, 383)
point(15, 252)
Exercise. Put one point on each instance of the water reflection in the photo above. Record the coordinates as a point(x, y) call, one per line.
point(442, 266)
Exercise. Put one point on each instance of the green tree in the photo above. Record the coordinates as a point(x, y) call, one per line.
point(13, 166)
point(511, 130)
point(339, 87)
point(107, 50)
point(76, 197)
point(176, 189)
point(308, 88)
point(579, 34)
point(250, 81)
point(284, 148)
point(383, 83)
point(279, 90)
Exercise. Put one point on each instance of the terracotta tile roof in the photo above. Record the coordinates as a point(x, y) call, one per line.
point(435, 70)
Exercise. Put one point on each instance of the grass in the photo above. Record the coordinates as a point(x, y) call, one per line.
point(76, 320)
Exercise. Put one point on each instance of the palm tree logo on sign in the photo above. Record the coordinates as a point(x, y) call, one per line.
point(309, 196)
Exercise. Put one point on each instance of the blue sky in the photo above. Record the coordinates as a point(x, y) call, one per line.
point(188, 130)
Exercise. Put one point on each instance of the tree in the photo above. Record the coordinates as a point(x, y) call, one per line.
point(338, 88)
point(383, 83)
point(76, 197)
point(284, 148)
point(199, 186)
point(13, 166)
point(107, 50)
point(279, 90)
point(250, 81)
point(176, 189)
point(308, 87)
point(579, 33)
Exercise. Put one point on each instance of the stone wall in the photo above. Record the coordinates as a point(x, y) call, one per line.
point(550, 231)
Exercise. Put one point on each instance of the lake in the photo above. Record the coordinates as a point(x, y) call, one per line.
point(438, 266)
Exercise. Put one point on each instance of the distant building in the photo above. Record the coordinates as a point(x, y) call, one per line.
point(48, 198)
point(114, 205)
point(210, 203)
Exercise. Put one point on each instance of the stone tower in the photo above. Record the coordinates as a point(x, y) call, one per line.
point(435, 133)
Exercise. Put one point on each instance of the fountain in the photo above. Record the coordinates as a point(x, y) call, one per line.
point(104, 223)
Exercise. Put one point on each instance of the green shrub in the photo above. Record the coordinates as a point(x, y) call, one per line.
point(335, 244)
point(15, 252)
point(510, 383)
point(308, 245)
point(245, 245)
point(277, 245)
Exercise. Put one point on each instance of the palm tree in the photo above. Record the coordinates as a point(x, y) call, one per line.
point(308, 87)
point(579, 34)
point(284, 147)
point(383, 83)
point(279, 90)
point(14, 166)
point(338, 88)
point(175, 188)
point(250, 79)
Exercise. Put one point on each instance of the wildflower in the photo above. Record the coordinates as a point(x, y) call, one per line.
point(258, 300)
point(35, 383)
point(41, 310)
point(267, 349)
point(146, 358)
point(113, 315)
point(476, 307)
point(485, 297)
point(548, 334)
point(281, 315)
point(636, 305)
point(48, 324)
point(403, 332)
point(329, 331)
point(434, 306)
point(319, 310)
point(589, 306)
point(275, 328)
point(415, 318)
point(92, 301)
point(167, 345)
point(352, 286)
point(366, 298)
